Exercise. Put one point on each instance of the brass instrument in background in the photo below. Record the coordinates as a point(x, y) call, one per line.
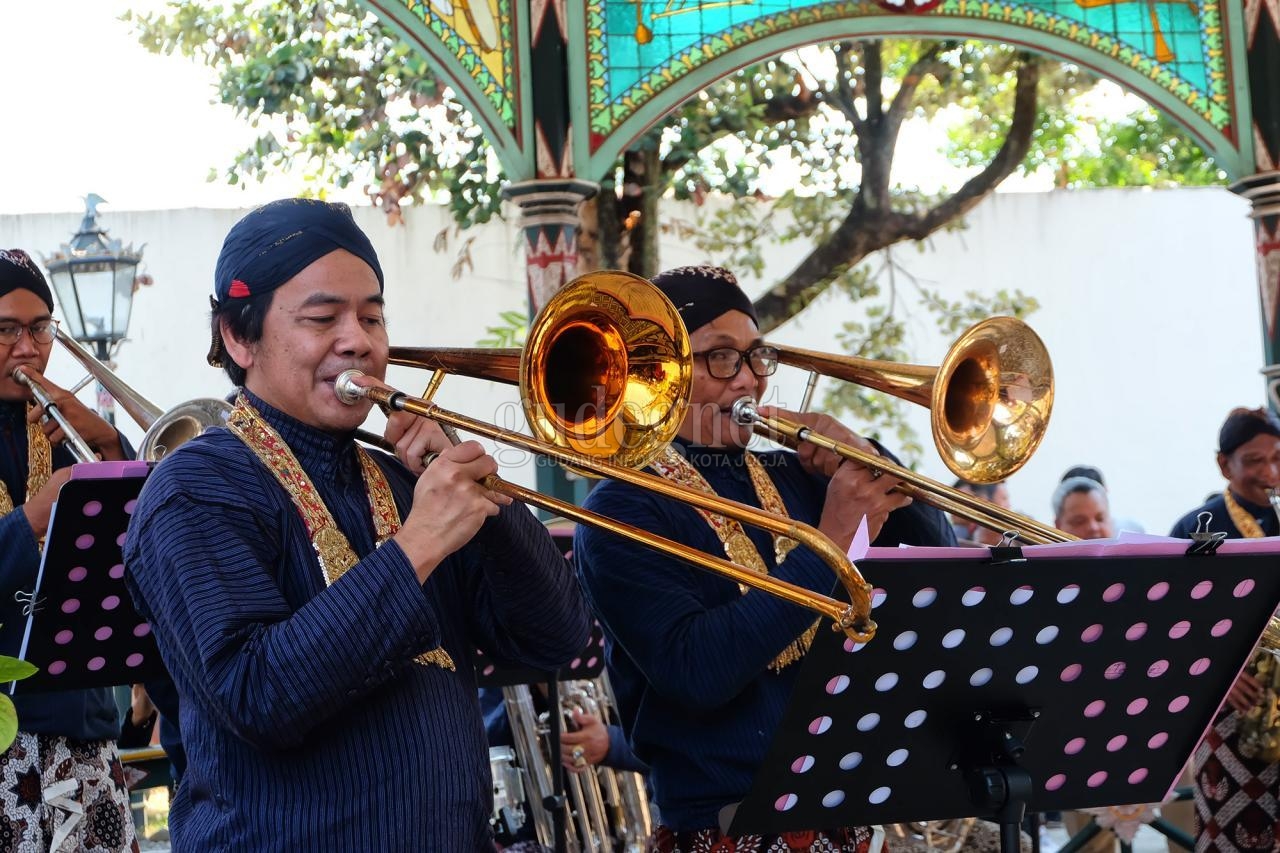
point(606, 810)
point(605, 378)
point(1259, 732)
point(989, 403)
point(165, 430)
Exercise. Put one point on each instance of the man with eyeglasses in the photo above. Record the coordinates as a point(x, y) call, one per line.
point(61, 784)
point(703, 669)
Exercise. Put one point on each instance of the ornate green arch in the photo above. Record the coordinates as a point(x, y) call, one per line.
point(632, 83)
point(481, 48)
point(562, 86)
point(626, 63)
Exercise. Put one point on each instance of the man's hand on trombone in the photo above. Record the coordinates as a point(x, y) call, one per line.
point(417, 440)
point(96, 432)
point(854, 490)
point(449, 501)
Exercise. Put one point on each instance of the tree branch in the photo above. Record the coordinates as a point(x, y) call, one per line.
point(1012, 152)
point(845, 98)
point(865, 229)
point(873, 79)
point(906, 93)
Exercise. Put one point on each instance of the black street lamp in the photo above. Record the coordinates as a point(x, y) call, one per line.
point(95, 278)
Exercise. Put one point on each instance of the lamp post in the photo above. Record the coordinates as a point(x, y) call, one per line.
point(95, 277)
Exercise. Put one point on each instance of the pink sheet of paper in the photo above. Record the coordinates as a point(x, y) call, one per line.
point(1127, 544)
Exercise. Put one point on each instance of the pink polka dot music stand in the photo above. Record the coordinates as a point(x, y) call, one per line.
point(993, 688)
point(83, 630)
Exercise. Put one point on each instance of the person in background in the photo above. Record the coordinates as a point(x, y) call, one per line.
point(1235, 793)
point(1094, 473)
point(969, 532)
point(61, 784)
point(1080, 507)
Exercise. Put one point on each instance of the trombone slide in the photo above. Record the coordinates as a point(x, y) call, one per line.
point(78, 446)
point(853, 619)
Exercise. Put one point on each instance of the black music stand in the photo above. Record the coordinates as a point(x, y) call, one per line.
point(996, 687)
point(82, 630)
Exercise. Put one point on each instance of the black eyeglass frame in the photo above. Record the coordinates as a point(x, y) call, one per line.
point(27, 327)
point(744, 357)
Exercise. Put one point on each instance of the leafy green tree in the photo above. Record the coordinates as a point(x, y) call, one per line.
point(335, 91)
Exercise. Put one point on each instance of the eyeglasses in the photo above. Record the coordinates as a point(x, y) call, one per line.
point(725, 362)
point(41, 331)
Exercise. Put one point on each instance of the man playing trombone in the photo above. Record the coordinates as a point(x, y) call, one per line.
point(316, 602)
point(61, 784)
point(703, 669)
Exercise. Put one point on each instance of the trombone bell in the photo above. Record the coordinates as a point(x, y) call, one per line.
point(606, 369)
point(991, 400)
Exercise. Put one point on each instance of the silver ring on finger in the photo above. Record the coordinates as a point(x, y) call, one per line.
point(428, 458)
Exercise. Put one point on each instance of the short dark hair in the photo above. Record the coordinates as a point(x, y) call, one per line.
point(1077, 486)
point(986, 491)
point(1089, 472)
point(244, 319)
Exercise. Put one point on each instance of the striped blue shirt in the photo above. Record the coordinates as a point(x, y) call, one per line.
point(306, 723)
point(688, 653)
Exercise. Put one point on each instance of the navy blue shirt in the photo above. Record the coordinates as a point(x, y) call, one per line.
point(82, 714)
point(306, 722)
point(688, 654)
point(1221, 522)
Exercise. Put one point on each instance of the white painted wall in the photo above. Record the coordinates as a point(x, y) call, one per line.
point(1149, 309)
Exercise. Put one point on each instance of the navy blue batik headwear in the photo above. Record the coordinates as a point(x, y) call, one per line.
point(19, 272)
point(703, 293)
point(277, 241)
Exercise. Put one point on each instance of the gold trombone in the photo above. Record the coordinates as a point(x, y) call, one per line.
point(989, 404)
point(604, 380)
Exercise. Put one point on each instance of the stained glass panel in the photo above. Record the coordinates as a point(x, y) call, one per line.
point(638, 48)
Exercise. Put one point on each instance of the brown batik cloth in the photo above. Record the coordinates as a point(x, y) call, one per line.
point(63, 795)
point(855, 839)
point(1236, 810)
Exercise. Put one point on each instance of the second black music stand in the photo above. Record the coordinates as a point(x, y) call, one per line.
point(993, 688)
point(83, 630)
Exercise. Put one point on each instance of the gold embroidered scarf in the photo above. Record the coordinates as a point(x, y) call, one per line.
point(332, 548)
point(39, 466)
point(1240, 517)
point(738, 547)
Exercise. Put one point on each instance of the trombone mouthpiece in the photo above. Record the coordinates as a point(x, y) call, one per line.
point(744, 411)
point(347, 389)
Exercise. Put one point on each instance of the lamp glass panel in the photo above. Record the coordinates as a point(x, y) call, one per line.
point(95, 284)
point(64, 287)
point(124, 276)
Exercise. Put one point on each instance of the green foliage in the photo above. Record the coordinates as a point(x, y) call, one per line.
point(335, 91)
point(1143, 149)
point(11, 669)
point(337, 94)
point(509, 332)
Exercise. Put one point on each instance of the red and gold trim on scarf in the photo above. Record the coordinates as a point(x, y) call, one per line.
point(738, 547)
point(1244, 522)
point(332, 548)
point(39, 465)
